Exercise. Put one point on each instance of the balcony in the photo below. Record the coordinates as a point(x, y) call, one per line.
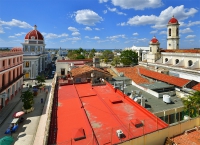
point(10, 83)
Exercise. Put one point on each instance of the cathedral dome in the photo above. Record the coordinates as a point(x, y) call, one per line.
point(173, 21)
point(154, 40)
point(34, 34)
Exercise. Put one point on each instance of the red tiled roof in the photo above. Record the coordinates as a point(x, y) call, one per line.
point(84, 69)
point(154, 40)
point(132, 73)
point(76, 60)
point(191, 138)
point(182, 51)
point(173, 21)
point(196, 87)
point(35, 33)
point(165, 78)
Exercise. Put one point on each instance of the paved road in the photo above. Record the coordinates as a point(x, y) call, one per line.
point(27, 129)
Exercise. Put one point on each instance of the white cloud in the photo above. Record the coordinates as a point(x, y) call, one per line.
point(96, 38)
point(116, 11)
point(75, 33)
point(7, 27)
point(190, 36)
point(105, 11)
point(135, 34)
point(163, 32)
point(186, 30)
point(72, 29)
point(103, 1)
point(193, 23)
point(52, 35)
point(19, 34)
point(112, 38)
point(137, 4)
point(96, 29)
point(143, 39)
point(88, 29)
point(73, 39)
point(122, 24)
point(16, 23)
point(154, 32)
point(11, 36)
point(160, 21)
point(87, 17)
point(1, 30)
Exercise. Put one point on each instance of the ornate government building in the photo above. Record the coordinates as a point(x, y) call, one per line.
point(35, 58)
point(183, 63)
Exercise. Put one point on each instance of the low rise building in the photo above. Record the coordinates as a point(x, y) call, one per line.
point(11, 74)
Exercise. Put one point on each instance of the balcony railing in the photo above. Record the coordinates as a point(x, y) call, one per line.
point(10, 83)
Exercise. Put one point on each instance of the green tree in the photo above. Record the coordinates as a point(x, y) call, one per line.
point(27, 99)
point(129, 57)
point(92, 53)
point(107, 56)
point(40, 79)
point(192, 104)
point(116, 61)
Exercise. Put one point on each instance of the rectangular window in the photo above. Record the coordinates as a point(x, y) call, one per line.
point(26, 48)
point(62, 71)
point(17, 59)
point(8, 61)
point(13, 60)
point(3, 63)
point(27, 64)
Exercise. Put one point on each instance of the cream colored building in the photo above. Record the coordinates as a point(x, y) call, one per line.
point(184, 63)
point(35, 59)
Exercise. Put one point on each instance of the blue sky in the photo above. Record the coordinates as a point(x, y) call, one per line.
point(99, 24)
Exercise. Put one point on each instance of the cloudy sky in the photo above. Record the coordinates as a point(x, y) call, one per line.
point(99, 24)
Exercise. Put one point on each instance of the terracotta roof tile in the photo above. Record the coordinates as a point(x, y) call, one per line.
point(196, 87)
point(182, 51)
point(132, 73)
point(85, 69)
point(165, 78)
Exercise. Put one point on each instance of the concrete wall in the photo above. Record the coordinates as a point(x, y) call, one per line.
point(158, 137)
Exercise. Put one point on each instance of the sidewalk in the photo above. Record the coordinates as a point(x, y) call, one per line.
point(25, 134)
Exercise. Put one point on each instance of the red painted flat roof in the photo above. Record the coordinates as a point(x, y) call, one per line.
point(100, 115)
point(196, 87)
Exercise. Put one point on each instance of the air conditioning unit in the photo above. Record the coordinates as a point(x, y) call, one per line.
point(119, 133)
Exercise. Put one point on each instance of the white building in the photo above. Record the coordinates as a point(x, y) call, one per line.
point(184, 63)
point(35, 58)
point(142, 51)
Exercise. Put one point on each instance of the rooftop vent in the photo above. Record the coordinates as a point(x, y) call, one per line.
point(137, 123)
point(167, 99)
point(115, 100)
point(79, 134)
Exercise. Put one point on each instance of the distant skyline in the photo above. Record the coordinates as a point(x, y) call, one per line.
point(99, 24)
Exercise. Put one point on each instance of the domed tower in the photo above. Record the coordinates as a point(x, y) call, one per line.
point(173, 34)
point(154, 45)
point(154, 53)
point(34, 55)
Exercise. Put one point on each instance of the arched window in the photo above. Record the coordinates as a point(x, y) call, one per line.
point(190, 63)
point(166, 59)
point(158, 49)
point(150, 49)
point(177, 61)
point(169, 31)
point(177, 33)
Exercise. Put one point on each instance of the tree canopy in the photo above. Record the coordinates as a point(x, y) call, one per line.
point(129, 57)
point(76, 53)
point(107, 56)
point(27, 99)
point(192, 104)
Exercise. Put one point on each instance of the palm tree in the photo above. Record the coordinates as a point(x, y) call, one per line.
point(192, 104)
point(40, 79)
point(27, 99)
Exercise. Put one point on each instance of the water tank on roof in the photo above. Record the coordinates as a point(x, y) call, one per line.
point(166, 98)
